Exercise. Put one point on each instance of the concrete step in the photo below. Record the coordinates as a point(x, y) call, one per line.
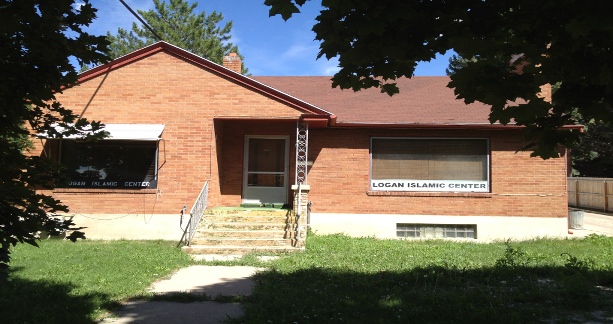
point(248, 211)
point(234, 250)
point(241, 226)
point(248, 218)
point(237, 233)
point(242, 230)
point(198, 240)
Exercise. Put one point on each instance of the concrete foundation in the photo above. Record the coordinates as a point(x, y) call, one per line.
point(131, 226)
point(489, 228)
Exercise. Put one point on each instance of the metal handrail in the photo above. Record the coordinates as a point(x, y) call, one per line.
point(196, 213)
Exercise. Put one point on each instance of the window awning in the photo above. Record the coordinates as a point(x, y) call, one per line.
point(134, 132)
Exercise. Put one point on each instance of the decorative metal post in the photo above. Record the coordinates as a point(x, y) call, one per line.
point(302, 146)
point(300, 187)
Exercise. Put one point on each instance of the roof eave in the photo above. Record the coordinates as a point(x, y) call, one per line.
point(481, 126)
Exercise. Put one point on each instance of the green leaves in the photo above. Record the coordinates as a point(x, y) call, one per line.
point(285, 8)
point(569, 44)
point(593, 157)
point(38, 38)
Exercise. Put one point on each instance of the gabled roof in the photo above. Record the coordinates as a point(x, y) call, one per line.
point(422, 101)
point(296, 103)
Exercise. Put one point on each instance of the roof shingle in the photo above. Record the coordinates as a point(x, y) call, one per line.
point(422, 100)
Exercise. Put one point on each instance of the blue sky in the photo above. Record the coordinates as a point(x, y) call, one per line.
point(270, 45)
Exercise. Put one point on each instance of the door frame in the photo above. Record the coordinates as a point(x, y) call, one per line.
point(246, 188)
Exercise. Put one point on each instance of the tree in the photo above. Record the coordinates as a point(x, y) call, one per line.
point(518, 47)
point(176, 23)
point(456, 63)
point(593, 157)
point(593, 154)
point(37, 38)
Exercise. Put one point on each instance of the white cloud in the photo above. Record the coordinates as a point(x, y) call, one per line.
point(299, 50)
point(77, 5)
point(331, 67)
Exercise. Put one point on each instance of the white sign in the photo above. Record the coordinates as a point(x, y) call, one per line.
point(430, 185)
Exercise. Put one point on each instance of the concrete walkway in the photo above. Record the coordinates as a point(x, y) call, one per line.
point(212, 281)
point(594, 223)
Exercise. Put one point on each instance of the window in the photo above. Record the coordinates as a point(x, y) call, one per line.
point(435, 231)
point(429, 164)
point(111, 163)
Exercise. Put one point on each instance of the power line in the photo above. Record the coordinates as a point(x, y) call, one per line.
point(142, 21)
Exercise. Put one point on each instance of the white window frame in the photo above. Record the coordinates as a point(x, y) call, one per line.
point(436, 231)
point(419, 185)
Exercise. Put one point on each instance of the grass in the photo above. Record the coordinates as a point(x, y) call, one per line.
point(65, 282)
point(341, 279)
point(337, 279)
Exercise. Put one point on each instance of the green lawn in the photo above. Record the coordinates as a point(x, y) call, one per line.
point(65, 282)
point(341, 279)
point(337, 279)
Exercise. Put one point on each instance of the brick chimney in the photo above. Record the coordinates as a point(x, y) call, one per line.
point(233, 62)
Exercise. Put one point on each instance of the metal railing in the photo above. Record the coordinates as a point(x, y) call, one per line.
point(195, 214)
point(303, 213)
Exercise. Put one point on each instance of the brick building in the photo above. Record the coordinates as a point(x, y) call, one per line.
point(418, 164)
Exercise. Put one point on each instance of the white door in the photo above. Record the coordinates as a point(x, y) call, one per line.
point(265, 172)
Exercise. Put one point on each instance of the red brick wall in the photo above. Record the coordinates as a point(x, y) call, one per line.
point(546, 92)
point(162, 89)
point(521, 186)
point(204, 140)
point(232, 156)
